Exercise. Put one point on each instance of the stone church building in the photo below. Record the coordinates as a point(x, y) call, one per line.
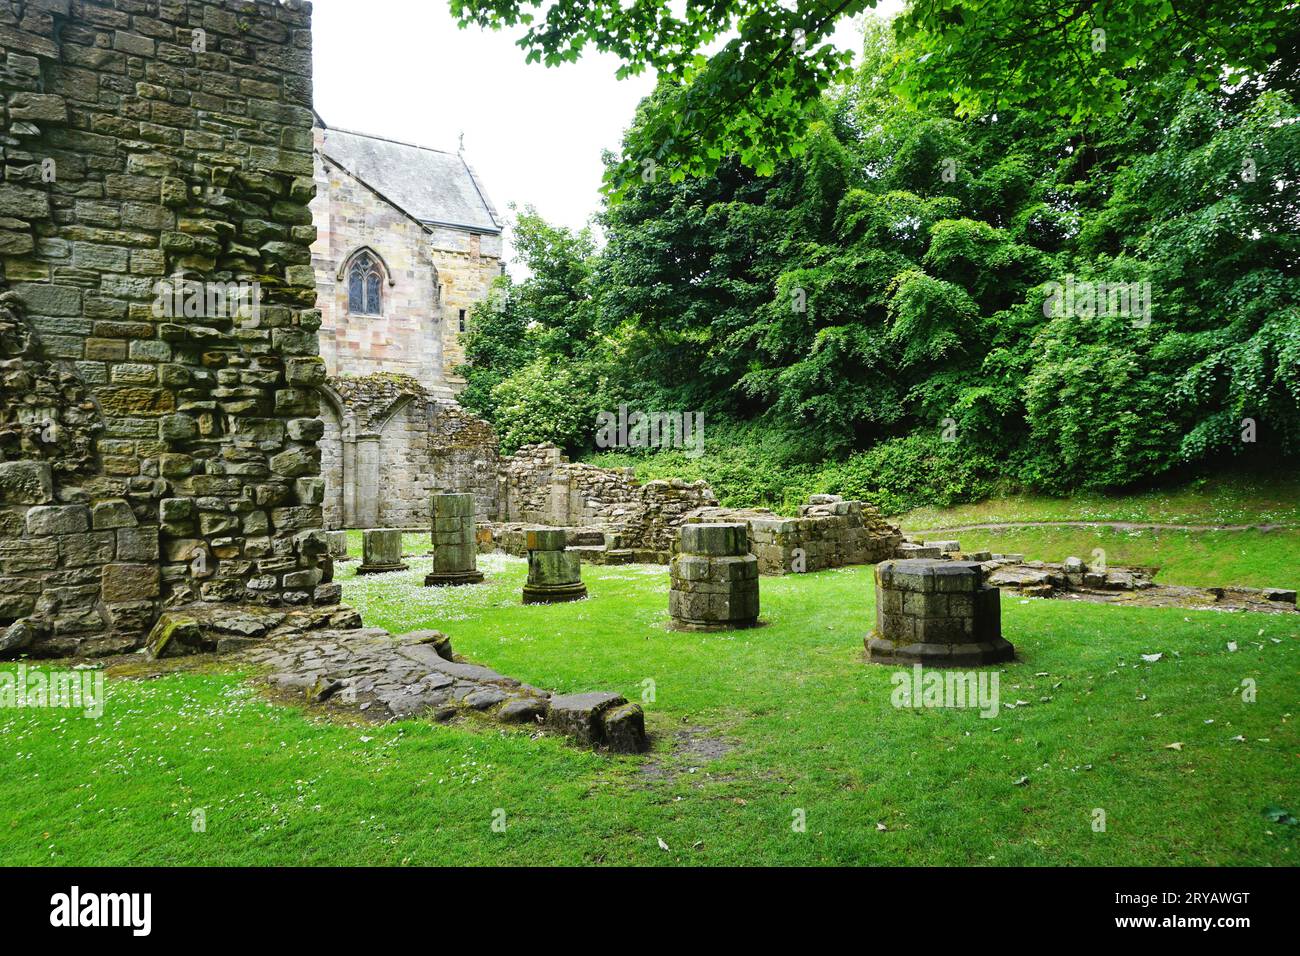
point(407, 241)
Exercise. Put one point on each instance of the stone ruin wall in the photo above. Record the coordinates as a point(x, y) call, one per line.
point(431, 445)
point(389, 445)
point(828, 533)
point(539, 485)
point(132, 442)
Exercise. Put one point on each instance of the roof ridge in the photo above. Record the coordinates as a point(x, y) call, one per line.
point(389, 139)
point(487, 203)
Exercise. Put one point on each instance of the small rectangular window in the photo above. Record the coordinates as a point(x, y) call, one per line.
point(462, 320)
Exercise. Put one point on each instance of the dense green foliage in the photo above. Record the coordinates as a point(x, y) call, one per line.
point(887, 308)
point(740, 78)
point(1083, 57)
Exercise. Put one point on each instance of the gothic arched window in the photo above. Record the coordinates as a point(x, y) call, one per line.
point(365, 285)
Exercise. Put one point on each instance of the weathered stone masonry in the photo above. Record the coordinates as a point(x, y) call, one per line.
point(389, 444)
point(143, 138)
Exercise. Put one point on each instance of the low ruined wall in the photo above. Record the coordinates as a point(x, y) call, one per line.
point(829, 533)
point(390, 445)
point(147, 457)
point(541, 486)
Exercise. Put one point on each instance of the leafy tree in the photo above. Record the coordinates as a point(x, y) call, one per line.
point(740, 78)
point(1081, 58)
point(835, 317)
point(550, 313)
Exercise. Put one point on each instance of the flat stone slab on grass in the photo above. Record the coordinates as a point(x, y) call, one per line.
point(416, 675)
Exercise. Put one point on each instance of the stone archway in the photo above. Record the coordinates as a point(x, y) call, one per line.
point(331, 466)
point(404, 474)
point(338, 448)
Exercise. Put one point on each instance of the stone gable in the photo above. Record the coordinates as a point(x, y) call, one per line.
point(433, 271)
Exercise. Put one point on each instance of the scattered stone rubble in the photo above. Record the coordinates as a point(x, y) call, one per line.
point(593, 545)
point(1075, 579)
point(829, 533)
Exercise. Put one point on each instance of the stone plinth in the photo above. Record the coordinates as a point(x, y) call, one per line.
point(455, 548)
point(381, 551)
point(554, 574)
point(937, 613)
point(337, 542)
point(714, 579)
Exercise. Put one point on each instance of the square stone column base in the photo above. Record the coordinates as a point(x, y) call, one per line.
point(452, 578)
point(382, 568)
point(677, 624)
point(554, 594)
point(883, 651)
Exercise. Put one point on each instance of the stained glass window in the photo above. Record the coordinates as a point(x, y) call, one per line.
point(365, 286)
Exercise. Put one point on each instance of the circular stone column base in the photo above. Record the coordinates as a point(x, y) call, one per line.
point(452, 578)
point(382, 568)
point(883, 651)
point(556, 594)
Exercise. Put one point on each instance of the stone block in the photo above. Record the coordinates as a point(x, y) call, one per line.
point(523, 710)
point(85, 550)
point(715, 539)
point(381, 551)
point(175, 634)
point(337, 541)
point(58, 519)
point(129, 582)
point(545, 539)
point(112, 514)
point(581, 716)
point(137, 544)
point(944, 547)
point(453, 506)
point(306, 429)
point(26, 483)
point(624, 729)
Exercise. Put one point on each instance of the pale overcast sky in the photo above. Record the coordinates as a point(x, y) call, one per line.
point(401, 69)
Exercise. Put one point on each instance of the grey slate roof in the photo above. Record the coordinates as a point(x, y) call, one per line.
point(428, 184)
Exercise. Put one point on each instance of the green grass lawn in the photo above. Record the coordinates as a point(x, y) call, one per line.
point(1222, 500)
point(810, 728)
point(1252, 557)
point(1200, 558)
